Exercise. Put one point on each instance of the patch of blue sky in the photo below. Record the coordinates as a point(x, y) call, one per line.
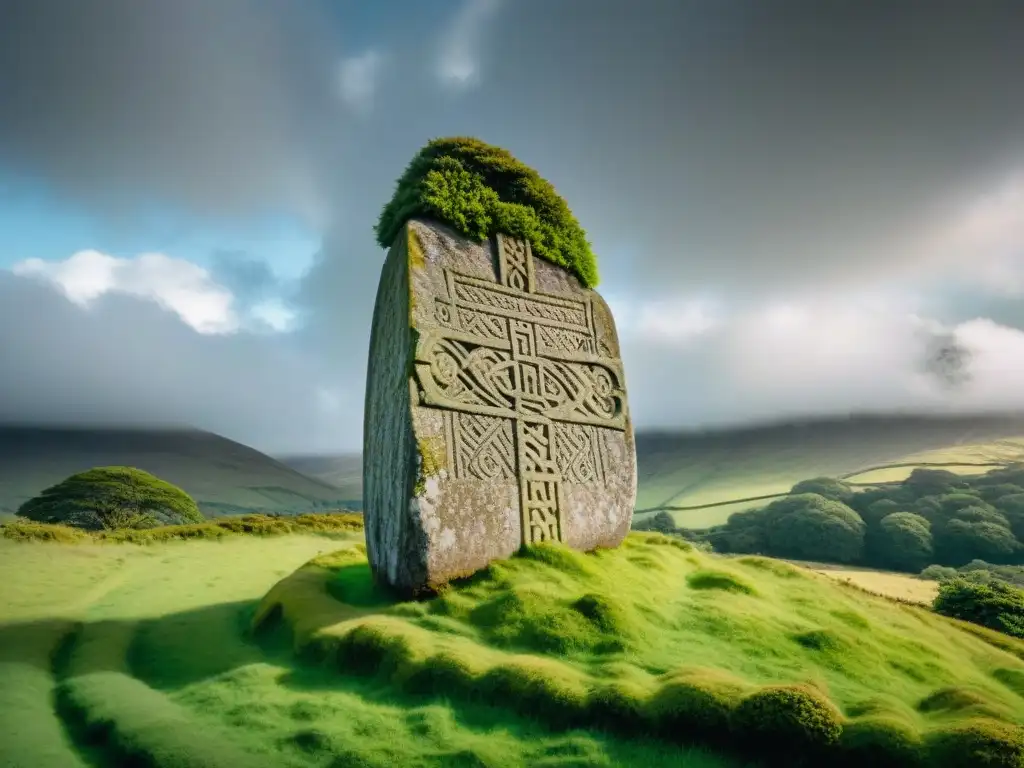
point(35, 225)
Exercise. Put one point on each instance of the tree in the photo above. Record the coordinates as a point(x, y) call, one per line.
point(933, 482)
point(662, 522)
point(811, 527)
point(961, 541)
point(829, 487)
point(902, 541)
point(112, 498)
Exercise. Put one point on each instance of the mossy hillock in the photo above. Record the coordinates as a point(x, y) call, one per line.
point(657, 640)
point(480, 190)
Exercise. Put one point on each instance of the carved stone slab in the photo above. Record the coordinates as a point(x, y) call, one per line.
point(496, 411)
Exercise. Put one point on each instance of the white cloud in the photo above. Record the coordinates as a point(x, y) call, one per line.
point(357, 79)
point(177, 285)
point(274, 314)
point(459, 60)
point(982, 243)
point(810, 356)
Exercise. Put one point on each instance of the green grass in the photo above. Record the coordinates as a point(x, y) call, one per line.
point(570, 637)
point(20, 529)
point(711, 474)
point(119, 653)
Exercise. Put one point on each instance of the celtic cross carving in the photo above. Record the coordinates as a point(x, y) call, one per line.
point(527, 385)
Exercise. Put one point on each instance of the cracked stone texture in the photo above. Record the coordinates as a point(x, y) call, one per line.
point(443, 475)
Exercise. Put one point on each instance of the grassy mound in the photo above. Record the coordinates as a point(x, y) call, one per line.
point(658, 639)
point(155, 668)
point(256, 525)
point(480, 190)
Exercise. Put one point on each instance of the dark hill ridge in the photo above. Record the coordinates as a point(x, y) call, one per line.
point(720, 465)
point(223, 476)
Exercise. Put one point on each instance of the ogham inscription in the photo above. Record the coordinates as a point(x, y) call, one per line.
point(526, 383)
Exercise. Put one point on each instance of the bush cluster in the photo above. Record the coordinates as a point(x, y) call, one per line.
point(480, 190)
point(995, 604)
point(932, 517)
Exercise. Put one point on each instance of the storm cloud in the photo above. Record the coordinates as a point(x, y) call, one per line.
point(789, 201)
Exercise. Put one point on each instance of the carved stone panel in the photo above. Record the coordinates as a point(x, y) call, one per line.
point(511, 399)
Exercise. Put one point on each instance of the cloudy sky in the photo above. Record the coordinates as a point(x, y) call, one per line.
point(793, 204)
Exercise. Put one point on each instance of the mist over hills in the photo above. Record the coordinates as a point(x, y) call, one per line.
point(224, 477)
point(676, 469)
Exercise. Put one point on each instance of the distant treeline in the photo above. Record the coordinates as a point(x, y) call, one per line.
point(933, 517)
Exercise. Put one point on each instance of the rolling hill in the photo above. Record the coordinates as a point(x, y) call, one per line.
point(223, 476)
point(344, 471)
point(702, 477)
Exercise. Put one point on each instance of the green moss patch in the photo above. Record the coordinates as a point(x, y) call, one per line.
point(480, 190)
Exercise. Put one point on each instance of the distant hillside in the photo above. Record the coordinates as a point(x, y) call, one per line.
point(709, 468)
point(223, 476)
point(344, 471)
point(698, 469)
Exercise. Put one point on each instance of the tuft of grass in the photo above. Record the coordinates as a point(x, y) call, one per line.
point(28, 530)
point(978, 743)
point(722, 580)
point(881, 742)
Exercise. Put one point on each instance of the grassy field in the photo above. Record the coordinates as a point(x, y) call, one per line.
point(224, 477)
point(898, 586)
point(117, 652)
point(705, 478)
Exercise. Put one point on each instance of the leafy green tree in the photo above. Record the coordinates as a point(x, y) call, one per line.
point(876, 511)
point(902, 541)
point(662, 522)
point(960, 541)
point(810, 527)
point(1012, 507)
point(829, 487)
point(112, 498)
point(994, 493)
point(995, 605)
point(743, 533)
point(933, 482)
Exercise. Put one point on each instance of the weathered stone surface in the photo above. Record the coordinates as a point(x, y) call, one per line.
point(496, 411)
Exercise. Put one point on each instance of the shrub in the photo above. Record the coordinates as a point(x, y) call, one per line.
point(902, 541)
point(978, 743)
point(939, 573)
point(695, 705)
point(880, 742)
point(112, 498)
point(480, 190)
point(811, 527)
point(994, 605)
point(790, 722)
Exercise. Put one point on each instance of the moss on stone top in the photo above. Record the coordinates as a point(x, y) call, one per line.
point(480, 190)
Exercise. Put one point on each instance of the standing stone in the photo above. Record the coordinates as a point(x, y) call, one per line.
point(496, 412)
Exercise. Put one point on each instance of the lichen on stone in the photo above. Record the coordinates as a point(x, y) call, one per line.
point(480, 190)
point(432, 460)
